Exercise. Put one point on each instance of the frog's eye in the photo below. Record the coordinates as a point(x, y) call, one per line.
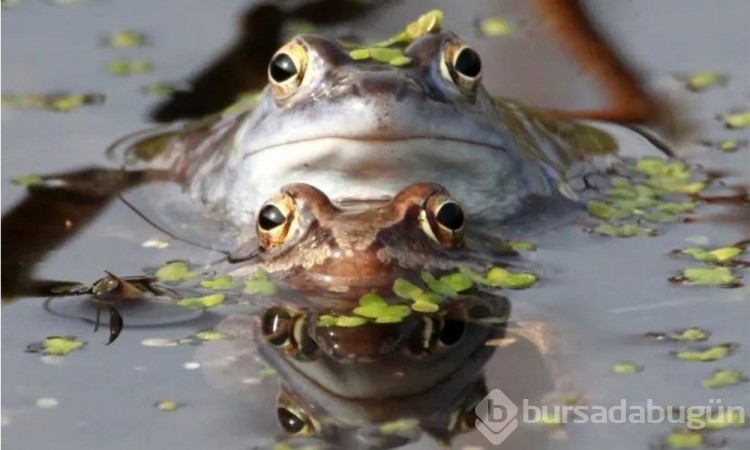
point(443, 220)
point(295, 421)
point(462, 65)
point(276, 221)
point(286, 71)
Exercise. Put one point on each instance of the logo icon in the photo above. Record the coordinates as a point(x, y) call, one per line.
point(496, 416)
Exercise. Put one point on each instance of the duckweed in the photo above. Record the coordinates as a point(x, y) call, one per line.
point(624, 231)
point(127, 67)
point(158, 89)
point(341, 321)
point(692, 334)
point(210, 335)
point(56, 345)
point(626, 368)
point(220, 282)
point(740, 119)
point(397, 426)
point(126, 39)
point(31, 179)
point(207, 301)
point(167, 405)
point(722, 378)
point(258, 283)
point(495, 26)
point(726, 418)
point(711, 354)
point(392, 56)
point(372, 306)
point(448, 285)
point(717, 276)
point(684, 439)
point(64, 102)
point(428, 22)
point(174, 272)
point(718, 255)
point(699, 81)
point(522, 246)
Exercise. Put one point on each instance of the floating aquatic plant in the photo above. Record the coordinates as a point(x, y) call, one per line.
point(496, 26)
point(374, 307)
point(127, 67)
point(204, 302)
point(126, 39)
point(626, 368)
point(63, 102)
point(174, 272)
point(692, 334)
point(56, 345)
point(709, 276)
point(739, 119)
point(709, 354)
point(220, 282)
point(258, 283)
point(722, 378)
point(717, 255)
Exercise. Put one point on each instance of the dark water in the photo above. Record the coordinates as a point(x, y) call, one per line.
point(596, 299)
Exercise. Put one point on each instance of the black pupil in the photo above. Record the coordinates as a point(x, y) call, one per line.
point(289, 421)
point(468, 63)
point(270, 217)
point(276, 326)
point(451, 216)
point(282, 68)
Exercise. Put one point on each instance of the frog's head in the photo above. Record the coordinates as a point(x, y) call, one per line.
point(300, 231)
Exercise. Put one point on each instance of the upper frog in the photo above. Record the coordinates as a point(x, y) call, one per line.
point(357, 127)
point(303, 234)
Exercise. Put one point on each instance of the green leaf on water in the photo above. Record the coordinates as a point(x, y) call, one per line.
point(626, 368)
point(127, 67)
point(499, 277)
point(207, 301)
point(210, 335)
point(126, 39)
point(717, 276)
point(717, 255)
point(60, 345)
point(684, 439)
point(522, 246)
point(406, 289)
point(220, 282)
point(31, 179)
point(174, 272)
point(167, 405)
point(740, 119)
point(689, 334)
point(699, 81)
point(425, 306)
point(711, 354)
point(373, 306)
point(722, 378)
point(495, 26)
point(258, 283)
point(624, 231)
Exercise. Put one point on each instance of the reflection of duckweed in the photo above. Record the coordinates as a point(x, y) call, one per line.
point(626, 368)
point(495, 26)
point(126, 39)
point(207, 301)
point(372, 306)
point(722, 378)
point(168, 405)
point(684, 439)
point(174, 272)
point(711, 354)
point(56, 345)
point(716, 276)
point(220, 282)
point(692, 334)
point(258, 283)
point(739, 119)
point(718, 255)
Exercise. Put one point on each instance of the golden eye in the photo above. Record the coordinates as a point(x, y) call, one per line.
point(462, 65)
point(276, 221)
point(286, 71)
point(443, 220)
point(295, 421)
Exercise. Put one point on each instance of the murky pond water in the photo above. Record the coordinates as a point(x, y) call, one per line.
point(573, 338)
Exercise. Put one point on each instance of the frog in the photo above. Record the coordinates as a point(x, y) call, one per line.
point(360, 128)
point(306, 237)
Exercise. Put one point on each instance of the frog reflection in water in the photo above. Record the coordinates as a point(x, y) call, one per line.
point(363, 129)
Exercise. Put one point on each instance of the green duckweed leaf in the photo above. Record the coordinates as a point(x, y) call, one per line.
point(425, 306)
point(725, 419)
point(495, 26)
point(174, 272)
point(711, 354)
point(406, 289)
point(717, 276)
point(438, 286)
point(427, 23)
point(722, 378)
point(373, 306)
point(684, 439)
point(626, 368)
point(126, 39)
point(656, 167)
point(31, 179)
point(127, 67)
point(327, 321)
point(722, 254)
point(623, 231)
point(158, 90)
point(167, 405)
point(689, 335)
point(740, 119)
point(57, 345)
point(258, 283)
point(522, 246)
point(359, 54)
point(220, 282)
point(350, 321)
point(699, 81)
point(499, 277)
point(398, 426)
point(207, 301)
point(210, 335)
point(603, 211)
